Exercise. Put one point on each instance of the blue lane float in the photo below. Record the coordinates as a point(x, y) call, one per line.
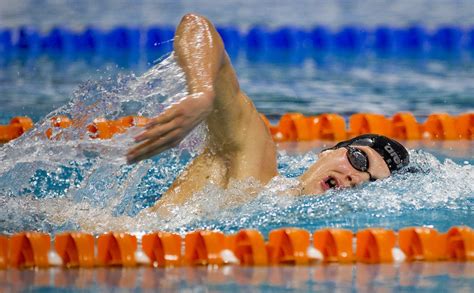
point(320, 38)
point(414, 39)
point(159, 38)
point(122, 38)
point(384, 39)
point(28, 39)
point(5, 40)
point(91, 39)
point(448, 38)
point(58, 40)
point(351, 38)
point(256, 39)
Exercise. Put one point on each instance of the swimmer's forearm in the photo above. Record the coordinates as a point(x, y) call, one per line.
point(200, 52)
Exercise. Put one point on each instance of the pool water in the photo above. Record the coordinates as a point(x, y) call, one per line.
point(319, 83)
point(438, 277)
point(79, 183)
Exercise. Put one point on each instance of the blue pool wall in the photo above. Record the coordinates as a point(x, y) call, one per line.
point(419, 39)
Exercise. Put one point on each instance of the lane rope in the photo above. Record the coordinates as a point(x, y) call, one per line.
point(247, 247)
point(290, 127)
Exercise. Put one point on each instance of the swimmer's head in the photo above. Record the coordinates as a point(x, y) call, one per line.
point(349, 163)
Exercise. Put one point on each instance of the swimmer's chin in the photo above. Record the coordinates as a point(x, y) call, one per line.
point(302, 190)
point(311, 193)
point(311, 190)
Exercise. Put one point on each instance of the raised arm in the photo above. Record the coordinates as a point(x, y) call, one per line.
point(200, 53)
point(236, 132)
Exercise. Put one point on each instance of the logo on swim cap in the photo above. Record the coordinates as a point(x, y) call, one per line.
point(394, 155)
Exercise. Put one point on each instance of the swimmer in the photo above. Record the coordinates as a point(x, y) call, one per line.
point(239, 144)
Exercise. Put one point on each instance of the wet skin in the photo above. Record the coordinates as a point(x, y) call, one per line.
point(239, 144)
point(334, 164)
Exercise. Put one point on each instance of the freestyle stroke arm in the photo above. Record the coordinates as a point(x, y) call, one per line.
point(200, 54)
point(237, 134)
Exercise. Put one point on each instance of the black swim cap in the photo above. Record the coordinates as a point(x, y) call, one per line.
point(394, 153)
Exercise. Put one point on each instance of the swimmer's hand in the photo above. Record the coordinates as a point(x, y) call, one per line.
point(171, 127)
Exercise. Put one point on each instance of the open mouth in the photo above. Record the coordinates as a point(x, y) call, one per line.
point(329, 183)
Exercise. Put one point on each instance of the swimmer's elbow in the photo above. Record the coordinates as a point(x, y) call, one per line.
point(197, 30)
point(192, 19)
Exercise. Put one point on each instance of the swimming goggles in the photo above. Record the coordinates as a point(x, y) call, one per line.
point(359, 160)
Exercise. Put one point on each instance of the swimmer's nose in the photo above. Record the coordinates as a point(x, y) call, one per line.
point(352, 180)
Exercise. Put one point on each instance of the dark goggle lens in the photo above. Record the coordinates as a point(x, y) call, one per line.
point(358, 159)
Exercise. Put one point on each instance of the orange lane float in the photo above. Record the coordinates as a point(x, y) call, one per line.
point(9, 132)
point(465, 125)
point(106, 129)
point(288, 246)
point(116, 249)
point(131, 121)
point(422, 244)
point(440, 126)
point(75, 249)
point(369, 123)
point(230, 242)
point(60, 122)
point(162, 248)
point(101, 128)
point(29, 249)
point(250, 248)
point(328, 127)
point(17, 126)
point(334, 244)
point(292, 126)
point(375, 245)
point(204, 248)
point(405, 126)
point(4, 241)
point(460, 244)
point(24, 122)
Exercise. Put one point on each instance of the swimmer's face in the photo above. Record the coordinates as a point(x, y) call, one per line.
point(333, 170)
